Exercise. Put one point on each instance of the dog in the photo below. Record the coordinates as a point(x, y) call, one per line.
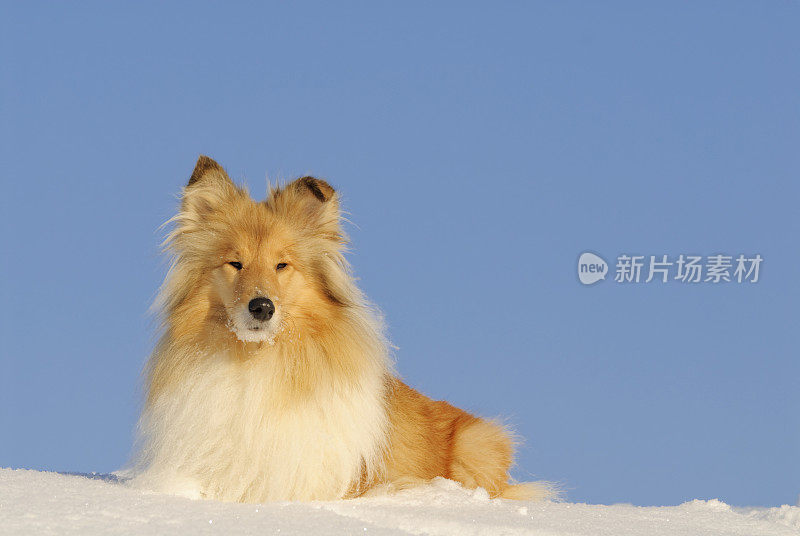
point(272, 380)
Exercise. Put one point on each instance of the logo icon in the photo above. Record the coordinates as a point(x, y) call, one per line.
point(591, 268)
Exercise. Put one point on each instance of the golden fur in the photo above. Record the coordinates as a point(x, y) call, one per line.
point(304, 406)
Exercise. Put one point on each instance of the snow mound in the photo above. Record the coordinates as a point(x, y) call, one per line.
point(33, 502)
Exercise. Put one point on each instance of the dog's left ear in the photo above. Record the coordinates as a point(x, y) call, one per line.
point(317, 193)
point(318, 201)
point(320, 189)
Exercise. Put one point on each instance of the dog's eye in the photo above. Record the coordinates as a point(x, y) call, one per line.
point(280, 266)
point(235, 264)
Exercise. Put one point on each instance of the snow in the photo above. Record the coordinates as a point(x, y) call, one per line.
point(33, 502)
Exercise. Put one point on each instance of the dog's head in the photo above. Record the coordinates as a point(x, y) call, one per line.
point(263, 271)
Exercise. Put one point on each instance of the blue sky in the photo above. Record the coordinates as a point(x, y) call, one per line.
point(479, 149)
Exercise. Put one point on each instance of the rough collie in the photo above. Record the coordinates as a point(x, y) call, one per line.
point(271, 380)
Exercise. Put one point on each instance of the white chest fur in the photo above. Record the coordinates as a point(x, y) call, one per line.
point(230, 431)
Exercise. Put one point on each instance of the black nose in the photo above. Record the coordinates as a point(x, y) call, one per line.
point(261, 308)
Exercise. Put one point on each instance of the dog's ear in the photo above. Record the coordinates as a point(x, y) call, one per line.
point(207, 171)
point(208, 186)
point(321, 190)
point(316, 195)
point(315, 203)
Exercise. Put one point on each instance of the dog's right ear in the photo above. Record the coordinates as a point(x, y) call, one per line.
point(206, 171)
point(208, 186)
